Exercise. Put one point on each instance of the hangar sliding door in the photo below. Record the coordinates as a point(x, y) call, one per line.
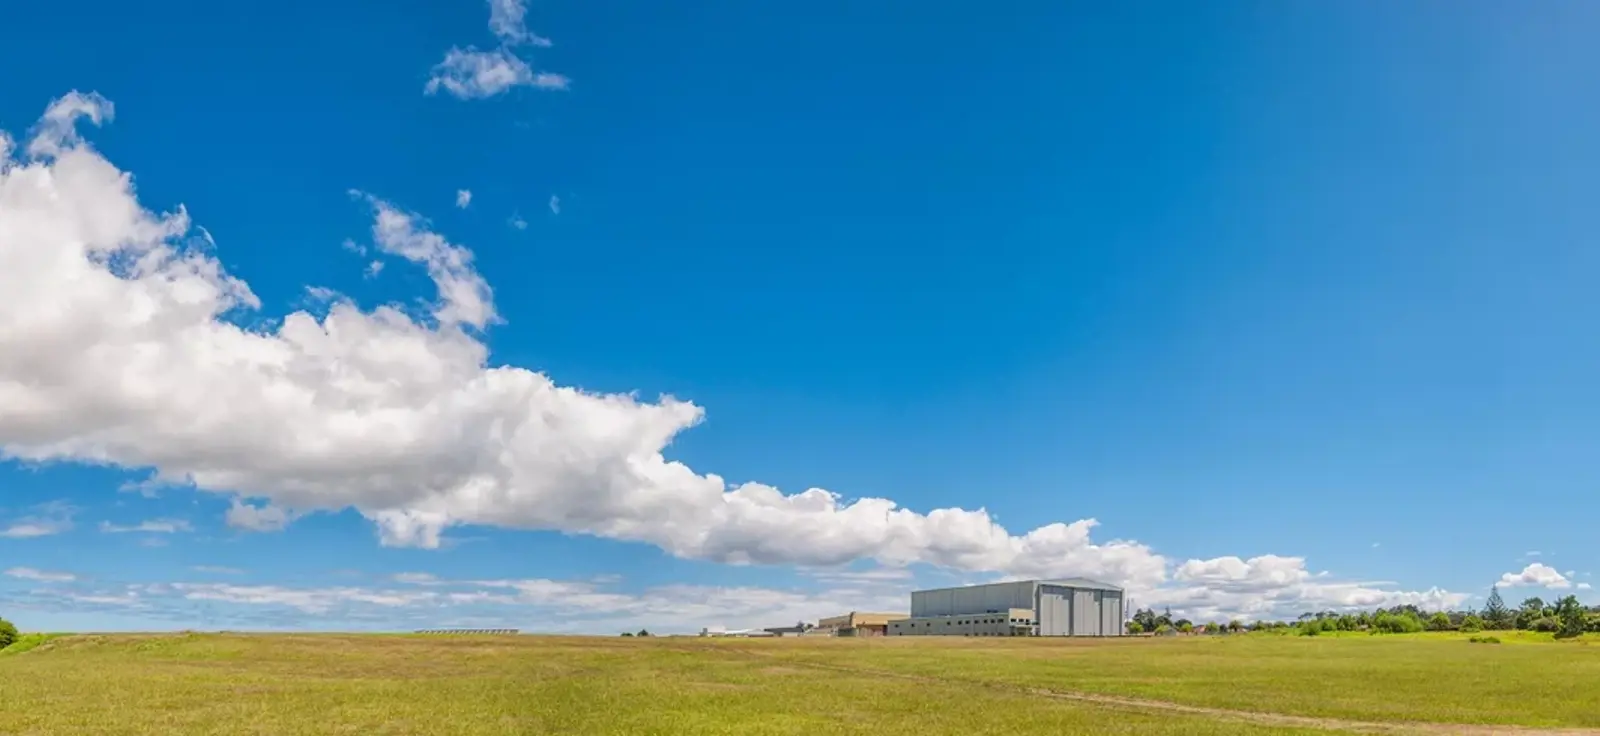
point(1055, 611)
point(1085, 613)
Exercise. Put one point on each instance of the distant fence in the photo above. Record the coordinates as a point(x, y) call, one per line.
point(467, 632)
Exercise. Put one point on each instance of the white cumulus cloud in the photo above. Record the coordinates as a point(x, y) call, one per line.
point(121, 344)
point(1536, 575)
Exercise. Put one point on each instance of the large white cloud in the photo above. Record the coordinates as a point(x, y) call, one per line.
point(1538, 575)
point(121, 344)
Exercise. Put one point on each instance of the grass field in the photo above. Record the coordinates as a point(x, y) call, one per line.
point(349, 684)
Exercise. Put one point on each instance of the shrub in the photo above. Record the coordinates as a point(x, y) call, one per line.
point(1548, 624)
point(1134, 627)
point(1396, 623)
point(8, 633)
point(1484, 640)
point(1472, 624)
point(1164, 629)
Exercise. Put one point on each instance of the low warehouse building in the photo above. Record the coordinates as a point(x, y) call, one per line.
point(1072, 607)
point(856, 623)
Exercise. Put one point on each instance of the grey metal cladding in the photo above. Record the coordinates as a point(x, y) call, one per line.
point(973, 599)
point(1055, 611)
point(1082, 584)
point(1111, 614)
point(1085, 614)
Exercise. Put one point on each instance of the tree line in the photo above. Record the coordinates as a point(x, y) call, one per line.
point(1564, 617)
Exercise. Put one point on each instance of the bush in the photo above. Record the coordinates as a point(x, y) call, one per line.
point(1396, 623)
point(1485, 640)
point(8, 633)
point(1472, 624)
point(1134, 627)
point(1547, 624)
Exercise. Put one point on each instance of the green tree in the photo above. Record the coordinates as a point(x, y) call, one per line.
point(1571, 615)
point(1472, 624)
point(1134, 627)
point(1439, 622)
point(1146, 619)
point(1185, 627)
point(1495, 613)
point(8, 633)
point(643, 632)
point(1235, 626)
point(1531, 610)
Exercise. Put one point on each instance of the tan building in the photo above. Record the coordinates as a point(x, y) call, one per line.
point(857, 623)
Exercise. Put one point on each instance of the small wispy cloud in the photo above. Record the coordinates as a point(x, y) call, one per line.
point(555, 205)
point(550, 80)
point(217, 570)
point(463, 198)
point(45, 520)
point(373, 269)
point(1584, 586)
point(875, 575)
point(153, 526)
point(517, 222)
point(265, 518)
point(321, 294)
point(416, 578)
point(1376, 545)
point(40, 576)
point(1532, 553)
point(470, 74)
point(508, 19)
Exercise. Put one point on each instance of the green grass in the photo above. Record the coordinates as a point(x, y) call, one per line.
point(27, 642)
point(1531, 680)
point(338, 684)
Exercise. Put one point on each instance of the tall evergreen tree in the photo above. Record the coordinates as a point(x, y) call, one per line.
point(1495, 614)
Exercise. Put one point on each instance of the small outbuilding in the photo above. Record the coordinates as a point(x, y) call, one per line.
point(858, 623)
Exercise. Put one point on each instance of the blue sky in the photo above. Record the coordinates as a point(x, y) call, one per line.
point(1295, 302)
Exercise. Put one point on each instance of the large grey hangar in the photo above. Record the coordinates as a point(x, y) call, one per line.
point(1071, 607)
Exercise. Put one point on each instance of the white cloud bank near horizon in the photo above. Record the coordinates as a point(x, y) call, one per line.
point(117, 348)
